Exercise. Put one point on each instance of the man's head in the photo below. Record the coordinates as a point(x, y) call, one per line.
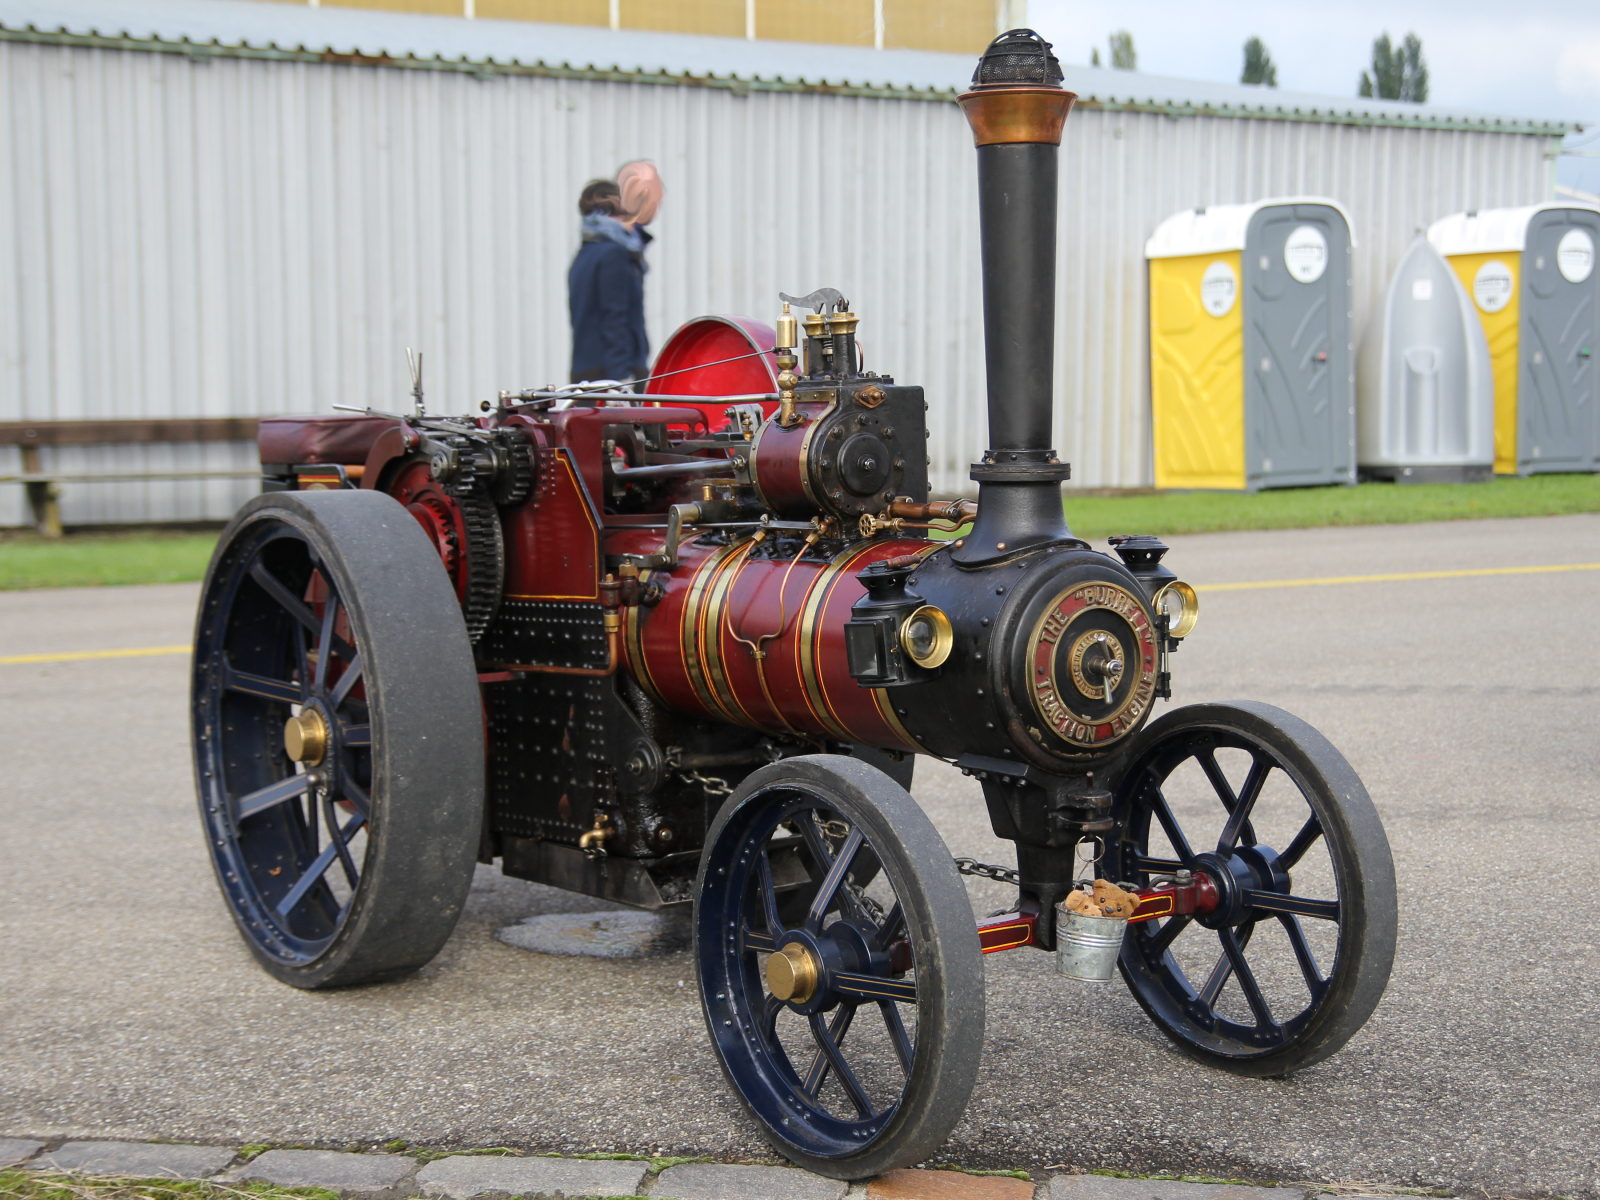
point(600, 195)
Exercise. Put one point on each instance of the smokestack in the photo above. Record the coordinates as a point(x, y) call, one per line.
point(1016, 109)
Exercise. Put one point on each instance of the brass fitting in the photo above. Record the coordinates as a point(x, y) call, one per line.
point(785, 344)
point(593, 842)
point(305, 738)
point(792, 974)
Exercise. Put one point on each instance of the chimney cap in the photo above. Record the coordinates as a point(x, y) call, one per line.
point(1018, 56)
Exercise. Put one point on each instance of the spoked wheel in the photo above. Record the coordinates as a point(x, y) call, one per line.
point(853, 1032)
point(338, 737)
point(1294, 958)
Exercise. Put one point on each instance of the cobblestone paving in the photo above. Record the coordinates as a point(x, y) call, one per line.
point(390, 1176)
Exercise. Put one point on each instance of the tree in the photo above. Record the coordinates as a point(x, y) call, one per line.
point(1094, 56)
point(1396, 74)
point(1258, 64)
point(1123, 56)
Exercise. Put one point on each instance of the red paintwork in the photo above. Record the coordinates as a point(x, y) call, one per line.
point(779, 470)
point(710, 340)
point(553, 539)
point(686, 649)
point(392, 443)
point(1164, 900)
point(1007, 932)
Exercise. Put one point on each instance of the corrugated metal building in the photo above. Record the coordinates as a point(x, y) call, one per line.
point(226, 208)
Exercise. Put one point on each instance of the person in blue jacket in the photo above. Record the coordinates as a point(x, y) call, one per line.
point(605, 287)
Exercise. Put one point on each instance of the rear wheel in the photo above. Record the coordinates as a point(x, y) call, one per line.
point(1297, 953)
point(884, 953)
point(338, 737)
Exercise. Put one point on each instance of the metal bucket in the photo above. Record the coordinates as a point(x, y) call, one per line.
point(1087, 947)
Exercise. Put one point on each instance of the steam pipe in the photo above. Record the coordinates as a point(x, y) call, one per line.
point(1016, 109)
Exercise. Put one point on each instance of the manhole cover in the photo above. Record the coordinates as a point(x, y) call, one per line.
point(600, 934)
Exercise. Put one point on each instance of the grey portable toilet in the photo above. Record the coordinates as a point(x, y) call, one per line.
point(1252, 372)
point(1425, 390)
point(1531, 272)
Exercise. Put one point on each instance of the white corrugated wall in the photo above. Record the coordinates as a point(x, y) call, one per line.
point(234, 237)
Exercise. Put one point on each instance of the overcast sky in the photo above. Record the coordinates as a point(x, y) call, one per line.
point(1533, 58)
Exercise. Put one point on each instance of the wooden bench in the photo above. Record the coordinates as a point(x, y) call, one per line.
point(43, 486)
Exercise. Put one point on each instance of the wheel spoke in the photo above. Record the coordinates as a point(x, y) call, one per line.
point(841, 1069)
point(1240, 814)
point(330, 616)
point(274, 793)
point(260, 685)
point(1169, 825)
point(330, 818)
point(1303, 841)
point(319, 866)
point(818, 1071)
point(353, 793)
point(1157, 866)
point(1219, 782)
point(769, 895)
point(893, 926)
point(1247, 980)
point(1224, 968)
point(1303, 954)
point(831, 882)
point(1160, 941)
point(897, 1035)
point(1322, 910)
point(874, 987)
point(294, 606)
point(751, 942)
point(356, 735)
point(351, 676)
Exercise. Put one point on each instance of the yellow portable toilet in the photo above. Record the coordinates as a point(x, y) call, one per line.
point(1252, 361)
point(1531, 275)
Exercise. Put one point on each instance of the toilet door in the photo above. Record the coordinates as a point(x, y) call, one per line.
point(1557, 426)
point(1300, 398)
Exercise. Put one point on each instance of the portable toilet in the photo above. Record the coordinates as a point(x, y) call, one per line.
point(1424, 388)
point(1531, 273)
point(1252, 371)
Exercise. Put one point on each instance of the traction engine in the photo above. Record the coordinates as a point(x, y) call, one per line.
point(682, 648)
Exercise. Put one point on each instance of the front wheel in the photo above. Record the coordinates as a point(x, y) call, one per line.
point(1294, 958)
point(338, 737)
point(853, 1028)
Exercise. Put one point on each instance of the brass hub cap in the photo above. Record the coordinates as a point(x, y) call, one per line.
point(792, 974)
point(305, 737)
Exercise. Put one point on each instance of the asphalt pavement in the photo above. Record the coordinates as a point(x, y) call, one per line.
point(1470, 706)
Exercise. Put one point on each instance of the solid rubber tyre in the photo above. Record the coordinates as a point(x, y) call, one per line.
point(335, 600)
point(915, 865)
point(1358, 862)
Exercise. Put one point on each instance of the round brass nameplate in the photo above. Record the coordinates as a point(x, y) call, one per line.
point(1096, 639)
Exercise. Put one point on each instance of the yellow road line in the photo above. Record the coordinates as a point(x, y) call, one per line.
point(80, 655)
point(1329, 579)
point(148, 651)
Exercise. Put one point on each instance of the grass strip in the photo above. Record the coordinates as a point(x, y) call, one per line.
point(145, 555)
point(103, 560)
point(1100, 516)
point(54, 1185)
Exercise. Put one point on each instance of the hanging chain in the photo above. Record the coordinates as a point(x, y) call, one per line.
point(713, 786)
point(971, 866)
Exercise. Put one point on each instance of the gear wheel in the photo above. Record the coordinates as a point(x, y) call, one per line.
point(486, 549)
point(515, 478)
point(464, 526)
